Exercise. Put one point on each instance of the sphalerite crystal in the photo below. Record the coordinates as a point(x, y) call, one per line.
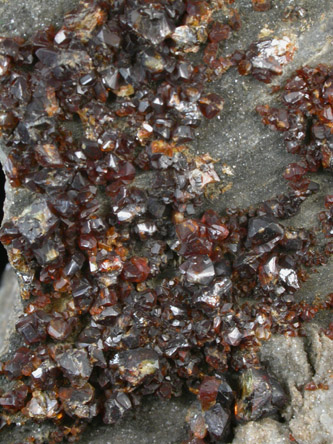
point(128, 291)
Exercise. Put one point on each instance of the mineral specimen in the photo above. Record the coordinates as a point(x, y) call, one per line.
point(128, 291)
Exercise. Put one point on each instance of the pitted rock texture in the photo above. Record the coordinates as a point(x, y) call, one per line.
point(265, 431)
point(290, 362)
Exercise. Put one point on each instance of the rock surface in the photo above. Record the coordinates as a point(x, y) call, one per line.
point(11, 307)
point(266, 431)
point(312, 422)
point(287, 359)
point(312, 418)
point(242, 143)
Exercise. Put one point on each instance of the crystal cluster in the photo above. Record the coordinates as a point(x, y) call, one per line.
point(127, 291)
point(265, 59)
point(305, 119)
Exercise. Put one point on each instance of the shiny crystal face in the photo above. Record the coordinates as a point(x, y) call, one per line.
point(130, 288)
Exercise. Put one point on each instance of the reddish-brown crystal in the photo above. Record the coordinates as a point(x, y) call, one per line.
point(219, 32)
point(208, 391)
point(261, 5)
point(136, 269)
point(210, 105)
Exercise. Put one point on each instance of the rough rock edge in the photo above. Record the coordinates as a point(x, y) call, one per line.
point(309, 413)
